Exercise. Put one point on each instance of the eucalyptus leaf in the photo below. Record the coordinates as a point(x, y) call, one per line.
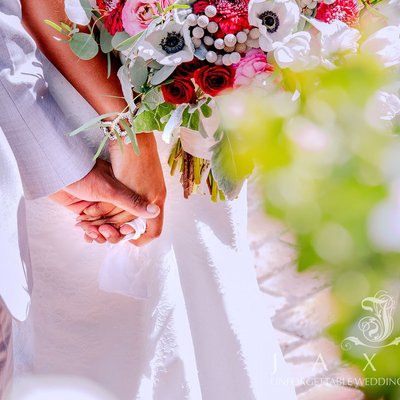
point(122, 41)
point(91, 123)
point(100, 148)
point(126, 86)
point(152, 99)
point(138, 72)
point(84, 46)
point(131, 135)
point(161, 75)
point(105, 40)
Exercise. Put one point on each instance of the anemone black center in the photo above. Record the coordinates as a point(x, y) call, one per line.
point(173, 42)
point(270, 20)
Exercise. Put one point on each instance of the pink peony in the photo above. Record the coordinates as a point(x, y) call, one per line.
point(137, 14)
point(253, 63)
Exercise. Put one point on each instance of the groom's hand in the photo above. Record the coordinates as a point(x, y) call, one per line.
point(101, 185)
point(144, 174)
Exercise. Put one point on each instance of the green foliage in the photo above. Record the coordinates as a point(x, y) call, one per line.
point(151, 120)
point(84, 45)
point(323, 170)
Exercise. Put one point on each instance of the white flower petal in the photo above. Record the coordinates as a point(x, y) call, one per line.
point(385, 45)
point(75, 12)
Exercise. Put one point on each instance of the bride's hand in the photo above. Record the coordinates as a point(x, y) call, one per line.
point(144, 175)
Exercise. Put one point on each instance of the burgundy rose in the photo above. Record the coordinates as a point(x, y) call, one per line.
point(186, 70)
point(111, 14)
point(179, 91)
point(214, 79)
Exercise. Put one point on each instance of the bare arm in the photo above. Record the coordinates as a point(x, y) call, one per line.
point(105, 95)
point(88, 77)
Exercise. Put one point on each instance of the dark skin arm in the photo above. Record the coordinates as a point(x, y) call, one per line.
point(89, 78)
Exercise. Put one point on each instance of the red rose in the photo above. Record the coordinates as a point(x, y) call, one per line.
point(111, 13)
point(214, 79)
point(179, 91)
point(187, 69)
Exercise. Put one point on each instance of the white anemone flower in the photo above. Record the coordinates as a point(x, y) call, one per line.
point(335, 38)
point(169, 44)
point(297, 52)
point(276, 20)
point(385, 45)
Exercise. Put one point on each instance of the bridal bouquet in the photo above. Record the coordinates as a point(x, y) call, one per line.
point(179, 56)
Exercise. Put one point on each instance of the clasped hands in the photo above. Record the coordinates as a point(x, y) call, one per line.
point(115, 193)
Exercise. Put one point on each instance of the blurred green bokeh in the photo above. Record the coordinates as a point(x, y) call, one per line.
point(330, 171)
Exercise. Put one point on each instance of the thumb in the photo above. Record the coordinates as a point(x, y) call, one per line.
point(130, 201)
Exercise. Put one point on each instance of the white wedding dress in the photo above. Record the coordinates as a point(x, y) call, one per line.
point(181, 318)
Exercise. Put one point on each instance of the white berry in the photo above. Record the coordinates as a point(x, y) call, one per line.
point(203, 21)
point(219, 44)
point(211, 11)
point(230, 40)
point(211, 57)
point(254, 33)
point(208, 40)
point(219, 60)
point(253, 43)
point(198, 32)
point(212, 27)
point(234, 57)
point(226, 59)
point(241, 47)
point(241, 37)
point(196, 42)
point(228, 49)
point(192, 19)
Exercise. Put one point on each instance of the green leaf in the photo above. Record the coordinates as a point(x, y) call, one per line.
point(191, 120)
point(84, 46)
point(146, 122)
point(131, 135)
point(160, 10)
point(161, 75)
point(176, 6)
point(66, 27)
point(152, 99)
point(101, 147)
point(53, 25)
point(108, 65)
point(92, 122)
point(122, 41)
point(206, 110)
point(138, 72)
point(105, 40)
point(225, 168)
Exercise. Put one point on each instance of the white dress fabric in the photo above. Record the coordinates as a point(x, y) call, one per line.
point(181, 318)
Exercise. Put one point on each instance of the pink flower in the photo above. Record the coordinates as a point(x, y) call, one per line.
point(254, 63)
point(137, 14)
